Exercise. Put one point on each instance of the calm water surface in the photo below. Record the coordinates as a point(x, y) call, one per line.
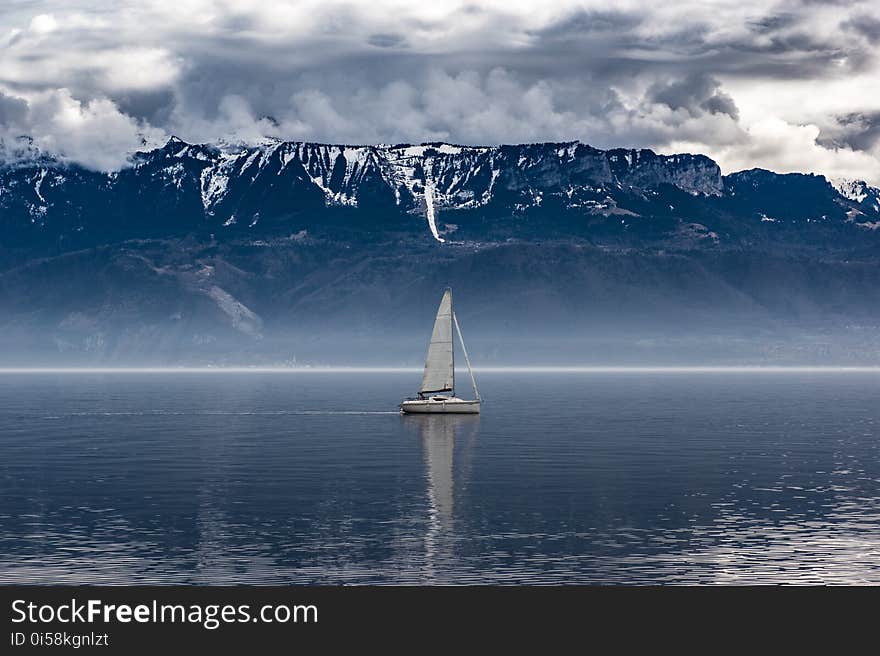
point(564, 478)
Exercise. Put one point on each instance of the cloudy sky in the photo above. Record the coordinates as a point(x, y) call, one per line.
point(789, 86)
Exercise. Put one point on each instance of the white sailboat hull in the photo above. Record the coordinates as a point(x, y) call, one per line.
point(444, 405)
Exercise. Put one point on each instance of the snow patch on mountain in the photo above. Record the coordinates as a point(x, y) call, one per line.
point(856, 190)
point(38, 183)
point(213, 183)
point(429, 201)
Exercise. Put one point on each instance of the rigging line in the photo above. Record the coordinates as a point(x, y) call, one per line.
point(466, 359)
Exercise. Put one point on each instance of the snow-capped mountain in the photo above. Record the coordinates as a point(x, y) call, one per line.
point(476, 193)
point(194, 186)
point(866, 197)
point(461, 177)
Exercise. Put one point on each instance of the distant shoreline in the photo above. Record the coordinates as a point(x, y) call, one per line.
point(391, 370)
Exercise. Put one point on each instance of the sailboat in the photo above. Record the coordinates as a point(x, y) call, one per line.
point(439, 375)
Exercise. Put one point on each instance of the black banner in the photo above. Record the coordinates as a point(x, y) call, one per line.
point(129, 619)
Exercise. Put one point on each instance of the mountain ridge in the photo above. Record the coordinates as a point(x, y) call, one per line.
point(213, 189)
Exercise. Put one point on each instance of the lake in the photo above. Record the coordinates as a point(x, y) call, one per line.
point(314, 477)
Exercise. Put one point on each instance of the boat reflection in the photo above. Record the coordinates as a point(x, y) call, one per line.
point(439, 434)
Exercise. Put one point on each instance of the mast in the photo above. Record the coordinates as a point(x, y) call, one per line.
point(451, 339)
point(466, 358)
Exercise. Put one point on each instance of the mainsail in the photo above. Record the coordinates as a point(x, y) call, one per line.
point(439, 373)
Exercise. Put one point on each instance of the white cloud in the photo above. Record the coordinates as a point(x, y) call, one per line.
point(747, 82)
point(94, 133)
point(43, 24)
point(234, 121)
point(136, 68)
point(780, 146)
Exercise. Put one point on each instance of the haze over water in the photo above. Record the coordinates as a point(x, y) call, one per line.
point(566, 477)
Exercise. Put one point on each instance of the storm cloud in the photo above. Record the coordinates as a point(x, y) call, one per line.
point(749, 83)
point(696, 93)
point(855, 130)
